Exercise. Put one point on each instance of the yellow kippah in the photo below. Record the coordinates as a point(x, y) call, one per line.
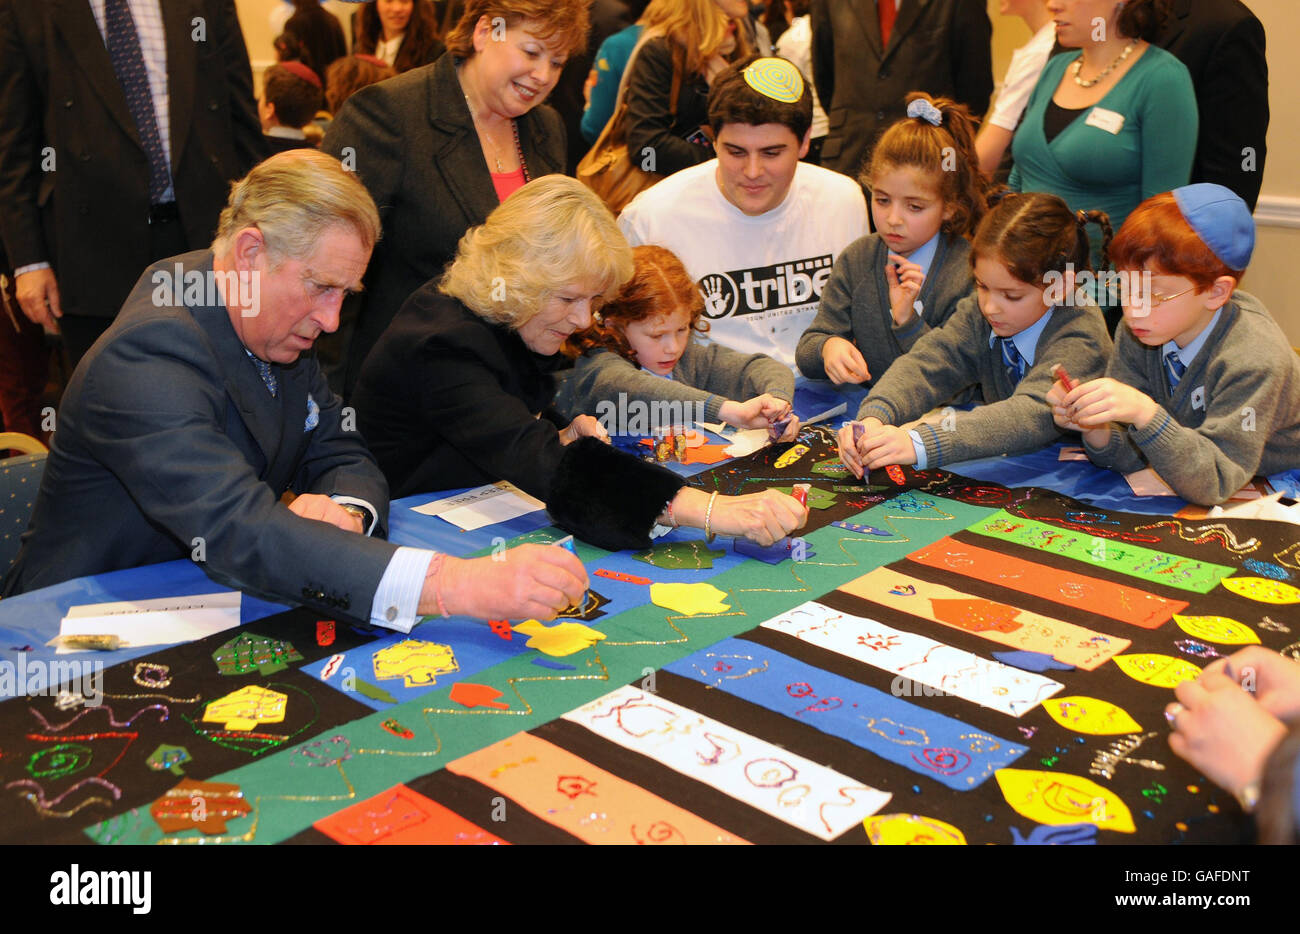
point(775, 78)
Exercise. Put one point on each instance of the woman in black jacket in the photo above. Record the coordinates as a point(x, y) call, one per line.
point(458, 391)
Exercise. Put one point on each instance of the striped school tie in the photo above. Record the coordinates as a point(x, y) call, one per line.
point(1174, 369)
point(1012, 360)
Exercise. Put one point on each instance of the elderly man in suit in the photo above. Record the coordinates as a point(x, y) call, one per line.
point(185, 425)
point(122, 124)
point(868, 54)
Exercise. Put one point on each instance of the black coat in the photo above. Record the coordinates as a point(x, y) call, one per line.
point(942, 47)
point(60, 100)
point(413, 144)
point(651, 122)
point(1222, 44)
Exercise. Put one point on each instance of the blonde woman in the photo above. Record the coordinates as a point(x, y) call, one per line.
point(694, 39)
point(458, 390)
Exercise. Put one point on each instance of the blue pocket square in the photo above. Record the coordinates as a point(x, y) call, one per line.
point(313, 414)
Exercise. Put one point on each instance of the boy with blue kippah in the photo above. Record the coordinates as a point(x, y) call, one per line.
point(1203, 386)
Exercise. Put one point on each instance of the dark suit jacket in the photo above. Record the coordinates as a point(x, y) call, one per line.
point(167, 435)
point(414, 146)
point(942, 47)
point(1222, 44)
point(89, 218)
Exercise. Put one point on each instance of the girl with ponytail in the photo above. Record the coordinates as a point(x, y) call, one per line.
point(1024, 318)
point(894, 285)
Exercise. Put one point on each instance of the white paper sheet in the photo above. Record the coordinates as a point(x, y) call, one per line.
point(161, 621)
point(747, 442)
point(800, 792)
point(484, 505)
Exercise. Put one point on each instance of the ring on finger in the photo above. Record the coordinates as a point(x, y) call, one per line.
point(1172, 712)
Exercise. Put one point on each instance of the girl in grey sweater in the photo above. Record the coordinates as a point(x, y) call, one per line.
point(640, 358)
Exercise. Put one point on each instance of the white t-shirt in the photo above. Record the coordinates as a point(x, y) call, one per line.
point(761, 277)
point(1022, 74)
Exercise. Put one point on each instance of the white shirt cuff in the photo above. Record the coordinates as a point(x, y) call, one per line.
point(397, 598)
point(919, 447)
point(30, 267)
point(354, 501)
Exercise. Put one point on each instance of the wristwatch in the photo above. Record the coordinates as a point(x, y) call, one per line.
point(360, 512)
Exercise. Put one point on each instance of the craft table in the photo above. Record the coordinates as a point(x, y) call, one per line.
point(957, 662)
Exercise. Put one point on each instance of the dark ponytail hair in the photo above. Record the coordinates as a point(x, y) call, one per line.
point(1142, 19)
point(1034, 233)
point(913, 142)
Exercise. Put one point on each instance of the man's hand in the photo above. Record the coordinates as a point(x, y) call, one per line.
point(527, 582)
point(843, 361)
point(584, 426)
point(1101, 401)
point(323, 509)
point(38, 296)
point(905, 280)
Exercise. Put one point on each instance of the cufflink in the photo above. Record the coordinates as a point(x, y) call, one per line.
point(390, 614)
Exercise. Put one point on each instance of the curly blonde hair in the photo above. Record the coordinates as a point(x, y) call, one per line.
point(547, 235)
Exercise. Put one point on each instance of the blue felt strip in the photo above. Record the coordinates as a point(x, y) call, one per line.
point(929, 743)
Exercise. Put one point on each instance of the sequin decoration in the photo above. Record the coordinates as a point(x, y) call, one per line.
point(249, 652)
point(1262, 589)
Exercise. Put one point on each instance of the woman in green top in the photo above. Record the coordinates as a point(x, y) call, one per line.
point(1109, 126)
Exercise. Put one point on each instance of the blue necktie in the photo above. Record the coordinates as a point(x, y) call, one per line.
point(128, 62)
point(1174, 369)
point(264, 370)
point(1011, 358)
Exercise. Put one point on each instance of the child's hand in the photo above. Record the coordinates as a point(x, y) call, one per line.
point(1100, 401)
point(848, 449)
point(1062, 414)
point(584, 426)
point(759, 412)
point(843, 361)
point(905, 280)
point(1222, 730)
point(883, 445)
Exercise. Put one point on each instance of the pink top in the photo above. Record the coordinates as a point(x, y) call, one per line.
point(507, 183)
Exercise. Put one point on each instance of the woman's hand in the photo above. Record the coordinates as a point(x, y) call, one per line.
point(1222, 730)
point(1273, 679)
point(764, 517)
point(527, 582)
point(843, 361)
point(584, 426)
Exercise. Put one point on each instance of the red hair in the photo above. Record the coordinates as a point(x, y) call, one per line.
point(659, 285)
point(1157, 236)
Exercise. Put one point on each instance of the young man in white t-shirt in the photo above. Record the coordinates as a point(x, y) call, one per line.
point(757, 228)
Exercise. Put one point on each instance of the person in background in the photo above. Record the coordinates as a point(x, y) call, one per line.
point(1113, 124)
point(318, 34)
point(868, 55)
point(458, 392)
point(604, 80)
point(642, 346)
point(291, 96)
point(349, 75)
point(129, 184)
point(1222, 44)
point(1022, 74)
point(401, 33)
point(685, 44)
point(795, 45)
point(441, 146)
point(890, 287)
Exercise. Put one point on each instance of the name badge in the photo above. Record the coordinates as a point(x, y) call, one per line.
point(1198, 397)
point(1104, 119)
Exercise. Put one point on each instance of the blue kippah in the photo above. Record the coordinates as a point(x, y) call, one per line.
point(1221, 219)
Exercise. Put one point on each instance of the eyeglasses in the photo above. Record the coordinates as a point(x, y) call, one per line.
point(1156, 299)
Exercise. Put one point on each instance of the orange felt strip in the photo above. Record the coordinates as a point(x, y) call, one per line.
point(401, 816)
point(580, 798)
point(1069, 588)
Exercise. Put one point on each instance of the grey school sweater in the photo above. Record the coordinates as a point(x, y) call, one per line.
point(1014, 418)
point(706, 376)
point(855, 304)
point(1235, 413)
